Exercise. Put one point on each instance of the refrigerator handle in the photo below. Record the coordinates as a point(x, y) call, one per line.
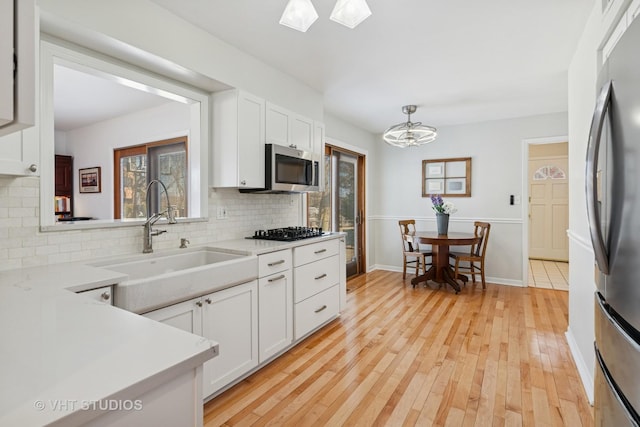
point(593, 212)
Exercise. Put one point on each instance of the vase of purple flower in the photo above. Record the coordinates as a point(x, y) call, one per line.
point(443, 210)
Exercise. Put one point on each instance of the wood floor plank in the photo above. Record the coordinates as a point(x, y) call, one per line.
point(421, 357)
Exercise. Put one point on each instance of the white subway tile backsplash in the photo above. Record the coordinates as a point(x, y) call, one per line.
point(23, 245)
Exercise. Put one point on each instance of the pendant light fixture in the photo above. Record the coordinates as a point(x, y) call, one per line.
point(300, 14)
point(350, 13)
point(409, 134)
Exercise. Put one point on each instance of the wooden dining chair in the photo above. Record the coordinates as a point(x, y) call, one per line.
point(411, 252)
point(474, 259)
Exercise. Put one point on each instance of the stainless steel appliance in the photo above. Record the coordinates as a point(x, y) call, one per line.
point(288, 170)
point(613, 207)
point(287, 234)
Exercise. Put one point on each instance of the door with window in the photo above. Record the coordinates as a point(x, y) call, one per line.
point(136, 166)
point(340, 207)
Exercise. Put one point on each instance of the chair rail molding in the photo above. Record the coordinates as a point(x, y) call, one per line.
point(451, 219)
point(586, 244)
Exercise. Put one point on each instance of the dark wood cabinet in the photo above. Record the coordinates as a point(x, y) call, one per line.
point(64, 185)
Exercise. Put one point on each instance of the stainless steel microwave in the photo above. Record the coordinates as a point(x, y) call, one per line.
point(288, 170)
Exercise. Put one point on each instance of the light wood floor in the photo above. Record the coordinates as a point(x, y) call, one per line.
point(549, 274)
point(400, 356)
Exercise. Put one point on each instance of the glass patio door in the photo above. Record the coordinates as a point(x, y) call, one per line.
point(340, 206)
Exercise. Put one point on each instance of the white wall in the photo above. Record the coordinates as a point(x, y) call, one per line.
point(365, 142)
point(582, 95)
point(93, 146)
point(495, 149)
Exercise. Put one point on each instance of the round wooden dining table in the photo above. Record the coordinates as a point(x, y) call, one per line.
point(440, 270)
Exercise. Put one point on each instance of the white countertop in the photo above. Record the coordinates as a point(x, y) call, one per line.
point(60, 349)
point(258, 246)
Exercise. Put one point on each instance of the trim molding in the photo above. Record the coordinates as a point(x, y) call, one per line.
point(494, 280)
point(585, 376)
point(580, 240)
point(451, 219)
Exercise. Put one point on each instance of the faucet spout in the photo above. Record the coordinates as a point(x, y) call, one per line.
point(149, 232)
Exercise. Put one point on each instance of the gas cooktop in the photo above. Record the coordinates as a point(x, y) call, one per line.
point(287, 234)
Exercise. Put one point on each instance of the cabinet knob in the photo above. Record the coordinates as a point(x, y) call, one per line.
point(208, 300)
point(33, 167)
point(105, 296)
point(293, 146)
point(199, 303)
point(243, 182)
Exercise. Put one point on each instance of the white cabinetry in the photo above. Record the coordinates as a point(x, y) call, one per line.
point(19, 149)
point(284, 127)
point(18, 34)
point(275, 303)
point(103, 294)
point(238, 140)
point(316, 291)
point(228, 317)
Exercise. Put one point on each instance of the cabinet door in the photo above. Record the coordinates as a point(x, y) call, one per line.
point(275, 313)
point(251, 141)
point(186, 316)
point(278, 125)
point(19, 154)
point(302, 129)
point(230, 317)
point(64, 176)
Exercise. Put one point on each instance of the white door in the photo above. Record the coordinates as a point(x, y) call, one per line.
point(549, 208)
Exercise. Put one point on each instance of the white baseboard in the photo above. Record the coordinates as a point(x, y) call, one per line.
point(585, 375)
point(494, 280)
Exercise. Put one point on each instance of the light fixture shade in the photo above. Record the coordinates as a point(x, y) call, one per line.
point(409, 134)
point(299, 15)
point(350, 13)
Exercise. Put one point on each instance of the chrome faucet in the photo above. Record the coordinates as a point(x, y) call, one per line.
point(169, 213)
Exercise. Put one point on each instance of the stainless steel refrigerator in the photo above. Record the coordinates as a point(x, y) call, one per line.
point(613, 207)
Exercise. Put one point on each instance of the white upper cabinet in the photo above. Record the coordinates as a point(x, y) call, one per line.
point(18, 35)
point(238, 140)
point(284, 127)
point(19, 140)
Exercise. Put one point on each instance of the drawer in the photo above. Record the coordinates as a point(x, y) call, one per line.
point(314, 311)
point(620, 353)
point(315, 277)
point(103, 294)
point(309, 253)
point(274, 262)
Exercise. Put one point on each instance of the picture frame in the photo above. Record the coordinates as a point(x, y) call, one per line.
point(447, 177)
point(90, 180)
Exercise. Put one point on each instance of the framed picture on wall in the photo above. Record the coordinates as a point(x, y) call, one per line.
point(90, 180)
point(450, 177)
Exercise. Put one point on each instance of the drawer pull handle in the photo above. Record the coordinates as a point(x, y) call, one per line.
point(322, 276)
point(275, 279)
point(320, 251)
point(273, 264)
point(320, 309)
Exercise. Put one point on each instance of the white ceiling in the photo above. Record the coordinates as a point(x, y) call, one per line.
point(460, 61)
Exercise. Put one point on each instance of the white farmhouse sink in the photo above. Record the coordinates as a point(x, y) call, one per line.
point(159, 280)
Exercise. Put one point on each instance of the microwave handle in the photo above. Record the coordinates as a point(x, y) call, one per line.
point(593, 213)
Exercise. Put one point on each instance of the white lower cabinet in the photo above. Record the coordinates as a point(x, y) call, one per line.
point(228, 317)
point(316, 278)
point(275, 312)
